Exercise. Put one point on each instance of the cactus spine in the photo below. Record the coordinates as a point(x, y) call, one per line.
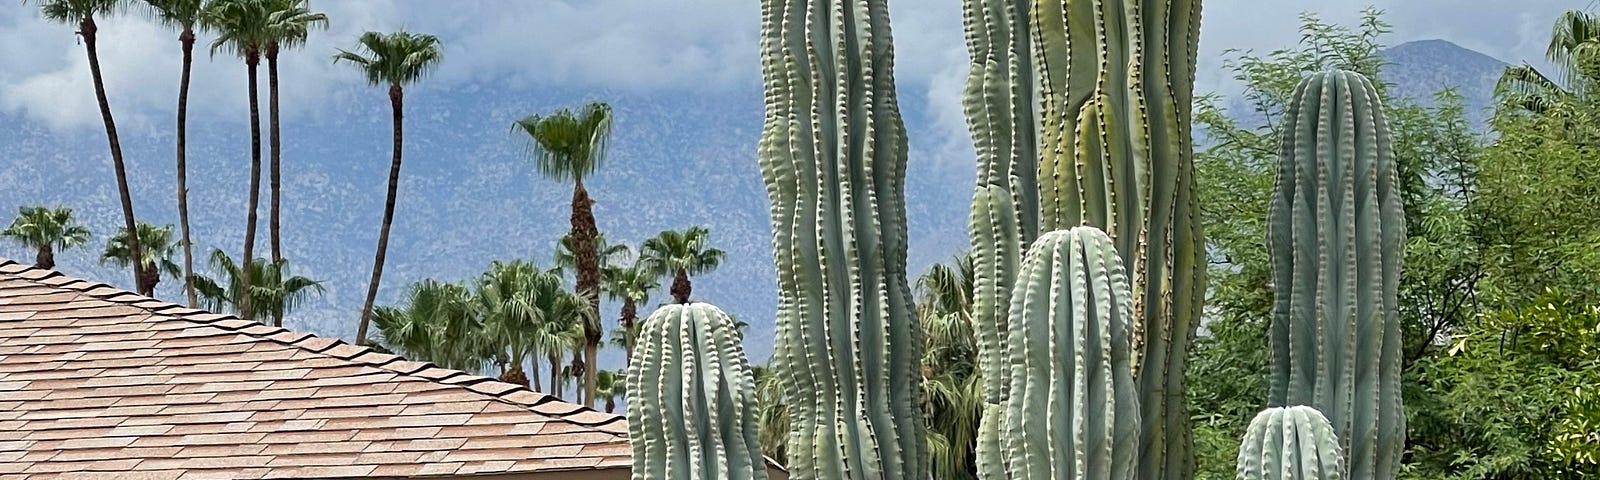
point(1336, 233)
point(832, 155)
point(1073, 409)
point(1294, 443)
point(693, 413)
point(1108, 146)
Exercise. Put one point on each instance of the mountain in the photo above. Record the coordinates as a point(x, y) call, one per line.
point(1419, 69)
point(469, 196)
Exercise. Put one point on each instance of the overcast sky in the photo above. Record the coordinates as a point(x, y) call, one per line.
point(662, 46)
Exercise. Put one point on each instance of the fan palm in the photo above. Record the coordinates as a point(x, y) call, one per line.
point(155, 256)
point(681, 254)
point(611, 385)
point(437, 323)
point(186, 16)
point(560, 332)
point(951, 387)
point(82, 13)
point(508, 296)
point(568, 146)
point(45, 230)
point(394, 59)
point(566, 257)
point(289, 23)
point(1575, 50)
point(242, 31)
point(632, 286)
point(274, 293)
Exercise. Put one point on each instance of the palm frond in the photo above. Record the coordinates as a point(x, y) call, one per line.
point(567, 146)
point(398, 58)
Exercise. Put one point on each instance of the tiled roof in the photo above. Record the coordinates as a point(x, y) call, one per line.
point(97, 382)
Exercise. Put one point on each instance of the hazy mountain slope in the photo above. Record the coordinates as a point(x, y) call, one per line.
point(1422, 68)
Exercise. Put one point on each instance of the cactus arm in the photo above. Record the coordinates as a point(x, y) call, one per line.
point(1336, 233)
point(693, 398)
point(1294, 443)
point(1072, 411)
point(833, 158)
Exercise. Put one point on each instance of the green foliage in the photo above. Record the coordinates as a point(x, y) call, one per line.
point(46, 229)
point(156, 248)
point(568, 146)
point(833, 158)
point(393, 59)
point(274, 292)
point(694, 413)
point(1290, 443)
point(688, 251)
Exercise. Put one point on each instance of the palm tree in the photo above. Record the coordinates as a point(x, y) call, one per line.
point(612, 385)
point(632, 286)
point(394, 59)
point(951, 387)
point(46, 229)
point(289, 22)
point(681, 254)
point(566, 257)
point(437, 323)
point(508, 296)
point(274, 293)
point(561, 332)
point(156, 256)
point(1575, 51)
point(184, 15)
point(569, 147)
point(82, 13)
point(242, 30)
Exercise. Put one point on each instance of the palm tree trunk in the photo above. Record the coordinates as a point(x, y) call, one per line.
point(588, 281)
point(251, 61)
point(555, 376)
point(630, 313)
point(46, 258)
point(187, 39)
point(277, 148)
point(87, 29)
point(533, 365)
point(611, 404)
point(396, 102)
point(149, 276)
point(681, 287)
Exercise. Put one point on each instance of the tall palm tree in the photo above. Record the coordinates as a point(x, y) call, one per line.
point(186, 16)
point(568, 146)
point(632, 286)
point(155, 256)
point(289, 23)
point(274, 292)
point(394, 59)
point(82, 13)
point(242, 30)
point(612, 385)
point(46, 229)
point(1575, 50)
point(437, 323)
point(681, 254)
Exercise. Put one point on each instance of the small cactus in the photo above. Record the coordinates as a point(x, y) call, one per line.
point(1293, 443)
point(1336, 234)
point(693, 413)
point(1073, 408)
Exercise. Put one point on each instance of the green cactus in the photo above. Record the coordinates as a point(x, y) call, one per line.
point(1336, 233)
point(1293, 443)
point(693, 408)
point(1108, 146)
point(833, 158)
point(1073, 408)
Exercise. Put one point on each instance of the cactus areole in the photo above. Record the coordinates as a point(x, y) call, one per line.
point(693, 413)
point(833, 157)
point(1336, 234)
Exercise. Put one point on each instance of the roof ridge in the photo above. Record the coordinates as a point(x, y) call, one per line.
point(512, 394)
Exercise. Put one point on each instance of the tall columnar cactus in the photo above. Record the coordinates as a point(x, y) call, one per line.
point(1293, 443)
point(1336, 233)
point(1109, 146)
point(833, 157)
point(693, 411)
point(1072, 409)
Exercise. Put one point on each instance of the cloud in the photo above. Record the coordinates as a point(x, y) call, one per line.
point(701, 45)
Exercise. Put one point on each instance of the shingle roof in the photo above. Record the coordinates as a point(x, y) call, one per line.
point(99, 382)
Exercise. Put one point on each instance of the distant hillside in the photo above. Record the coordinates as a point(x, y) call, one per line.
point(1419, 69)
